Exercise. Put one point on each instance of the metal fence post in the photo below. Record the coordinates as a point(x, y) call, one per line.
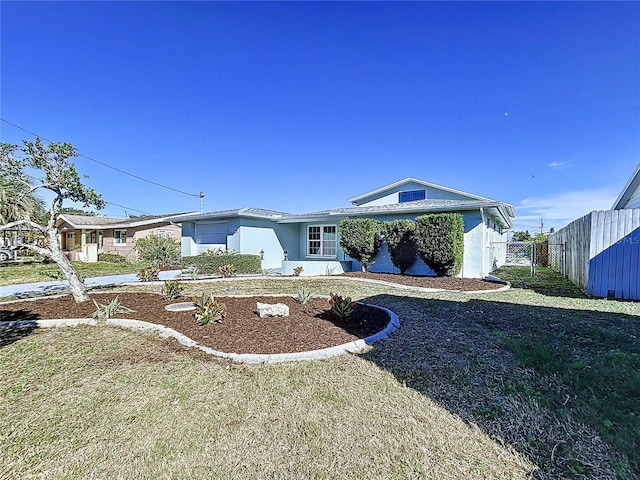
point(533, 259)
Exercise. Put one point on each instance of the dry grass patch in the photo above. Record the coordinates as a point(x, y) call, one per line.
point(73, 407)
point(467, 379)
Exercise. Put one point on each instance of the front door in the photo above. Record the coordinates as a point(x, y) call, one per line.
point(70, 241)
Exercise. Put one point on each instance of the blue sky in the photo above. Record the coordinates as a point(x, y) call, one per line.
point(298, 106)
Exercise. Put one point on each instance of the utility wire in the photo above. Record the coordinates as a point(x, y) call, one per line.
point(127, 208)
point(108, 203)
point(197, 195)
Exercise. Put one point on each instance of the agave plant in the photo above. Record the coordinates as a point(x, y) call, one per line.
point(341, 308)
point(209, 310)
point(304, 295)
point(111, 309)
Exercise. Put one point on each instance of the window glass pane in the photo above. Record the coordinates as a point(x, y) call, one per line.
point(314, 248)
point(329, 237)
point(329, 249)
point(412, 196)
point(313, 238)
point(120, 236)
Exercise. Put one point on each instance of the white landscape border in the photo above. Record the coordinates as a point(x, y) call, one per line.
point(491, 279)
point(166, 332)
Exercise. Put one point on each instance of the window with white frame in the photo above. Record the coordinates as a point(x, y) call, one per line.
point(120, 237)
point(322, 240)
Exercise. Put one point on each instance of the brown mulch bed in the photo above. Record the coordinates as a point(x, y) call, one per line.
point(446, 283)
point(308, 327)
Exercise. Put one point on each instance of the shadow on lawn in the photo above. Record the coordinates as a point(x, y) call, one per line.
point(16, 332)
point(534, 376)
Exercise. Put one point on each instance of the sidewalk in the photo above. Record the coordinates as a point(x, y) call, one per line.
point(38, 288)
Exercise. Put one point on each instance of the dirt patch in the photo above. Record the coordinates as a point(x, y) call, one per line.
point(308, 327)
point(445, 283)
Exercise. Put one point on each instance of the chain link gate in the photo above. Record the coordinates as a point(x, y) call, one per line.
point(533, 255)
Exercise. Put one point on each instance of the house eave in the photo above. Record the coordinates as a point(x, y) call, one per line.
point(631, 186)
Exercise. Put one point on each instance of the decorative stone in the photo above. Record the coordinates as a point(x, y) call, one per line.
point(272, 310)
point(180, 307)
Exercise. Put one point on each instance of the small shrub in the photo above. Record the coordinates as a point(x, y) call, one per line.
point(148, 274)
point(304, 295)
point(172, 289)
point(297, 271)
point(228, 270)
point(209, 310)
point(111, 258)
point(113, 308)
point(341, 308)
point(158, 251)
point(360, 238)
point(329, 271)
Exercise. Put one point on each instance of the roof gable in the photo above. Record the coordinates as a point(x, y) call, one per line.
point(630, 195)
point(389, 193)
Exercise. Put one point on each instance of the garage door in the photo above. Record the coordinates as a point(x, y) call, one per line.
point(211, 233)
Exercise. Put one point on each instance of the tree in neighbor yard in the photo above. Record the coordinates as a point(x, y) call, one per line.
point(59, 176)
point(360, 238)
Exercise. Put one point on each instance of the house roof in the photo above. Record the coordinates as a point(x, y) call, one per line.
point(234, 212)
point(408, 180)
point(628, 191)
point(92, 222)
point(502, 210)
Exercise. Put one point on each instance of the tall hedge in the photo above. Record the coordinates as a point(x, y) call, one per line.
point(439, 238)
point(400, 243)
point(361, 238)
point(208, 263)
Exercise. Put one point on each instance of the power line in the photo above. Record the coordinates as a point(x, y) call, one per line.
point(108, 203)
point(198, 195)
point(127, 208)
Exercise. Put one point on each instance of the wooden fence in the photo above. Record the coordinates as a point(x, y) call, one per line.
point(603, 253)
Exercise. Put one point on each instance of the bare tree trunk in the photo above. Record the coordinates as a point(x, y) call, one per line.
point(77, 286)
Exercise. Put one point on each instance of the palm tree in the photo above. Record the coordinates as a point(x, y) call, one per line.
point(17, 202)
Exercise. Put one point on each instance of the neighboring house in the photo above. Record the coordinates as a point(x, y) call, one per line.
point(311, 240)
point(630, 195)
point(603, 247)
point(84, 236)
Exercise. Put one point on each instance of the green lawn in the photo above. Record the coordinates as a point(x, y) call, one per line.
point(538, 381)
point(37, 271)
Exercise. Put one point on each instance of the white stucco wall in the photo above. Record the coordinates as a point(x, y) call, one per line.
point(316, 267)
point(252, 240)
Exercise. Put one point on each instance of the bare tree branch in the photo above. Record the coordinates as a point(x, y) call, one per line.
point(39, 250)
point(29, 223)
